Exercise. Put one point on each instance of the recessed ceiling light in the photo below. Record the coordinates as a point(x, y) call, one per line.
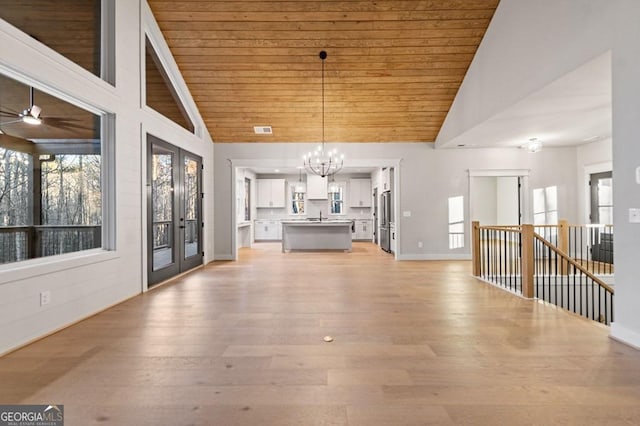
point(277, 170)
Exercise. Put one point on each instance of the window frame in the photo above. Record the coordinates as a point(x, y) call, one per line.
point(547, 212)
point(292, 191)
point(456, 239)
point(343, 186)
point(49, 264)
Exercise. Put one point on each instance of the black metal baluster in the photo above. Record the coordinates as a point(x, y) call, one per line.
point(502, 284)
point(593, 302)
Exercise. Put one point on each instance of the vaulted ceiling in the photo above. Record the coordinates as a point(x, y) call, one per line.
point(392, 71)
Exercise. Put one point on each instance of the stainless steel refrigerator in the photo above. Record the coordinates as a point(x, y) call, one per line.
point(385, 218)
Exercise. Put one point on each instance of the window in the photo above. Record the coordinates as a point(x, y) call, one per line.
point(81, 31)
point(336, 197)
point(160, 93)
point(456, 222)
point(50, 176)
point(297, 199)
point(247, 199)
point(545, 206)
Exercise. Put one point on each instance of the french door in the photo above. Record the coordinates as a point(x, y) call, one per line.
point(174, 210)
point(601, 198)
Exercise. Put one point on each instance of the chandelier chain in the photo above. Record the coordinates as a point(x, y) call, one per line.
point(320, 162)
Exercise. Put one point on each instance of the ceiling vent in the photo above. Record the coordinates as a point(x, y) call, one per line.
point(262, 130)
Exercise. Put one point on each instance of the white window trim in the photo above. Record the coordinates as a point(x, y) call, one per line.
point(462, 222)
point(152, 31)
point(545, 210)
point(343, 185)
point(290, 191)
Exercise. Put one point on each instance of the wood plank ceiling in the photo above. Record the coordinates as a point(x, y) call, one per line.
point(392, 71)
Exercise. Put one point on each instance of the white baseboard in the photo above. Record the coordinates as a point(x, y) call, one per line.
point(625, 335)
point(448, 256)
point(222, 257)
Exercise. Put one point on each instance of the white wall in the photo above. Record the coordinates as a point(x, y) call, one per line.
point(574, 32)
point(428, 177)
point(84, 283)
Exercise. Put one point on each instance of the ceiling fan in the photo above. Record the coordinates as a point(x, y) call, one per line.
point(33, 115)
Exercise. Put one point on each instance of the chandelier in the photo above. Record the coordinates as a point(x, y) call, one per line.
point(322, 162)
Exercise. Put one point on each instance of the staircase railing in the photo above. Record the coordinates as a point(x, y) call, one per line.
point(562, 281)
point(589, 245)
point(522, 261)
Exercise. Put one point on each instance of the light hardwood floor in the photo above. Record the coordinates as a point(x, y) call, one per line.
point(241, 343)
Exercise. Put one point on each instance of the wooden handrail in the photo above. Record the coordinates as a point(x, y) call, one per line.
point(574, 263)
point(515, 228)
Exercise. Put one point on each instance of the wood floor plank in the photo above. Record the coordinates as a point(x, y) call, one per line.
point(414, 343)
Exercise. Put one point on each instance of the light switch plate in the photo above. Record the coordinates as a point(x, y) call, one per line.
point(634, 215)
point(406, 214)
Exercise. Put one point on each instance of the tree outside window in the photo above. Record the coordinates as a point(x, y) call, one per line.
point(336, 198)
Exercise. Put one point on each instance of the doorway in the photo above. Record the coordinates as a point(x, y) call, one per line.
point(174, 210)
point(497, 200)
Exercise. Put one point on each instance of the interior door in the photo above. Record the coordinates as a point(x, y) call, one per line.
point(601, 198)
point(174, 217)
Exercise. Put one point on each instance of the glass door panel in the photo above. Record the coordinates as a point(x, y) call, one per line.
point(602, 198)
point(162, 202)
point(191, 225)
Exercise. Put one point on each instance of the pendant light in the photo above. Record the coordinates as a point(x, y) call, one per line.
point(322, 162)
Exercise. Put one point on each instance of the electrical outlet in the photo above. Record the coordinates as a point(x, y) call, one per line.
point(419, 244)
point(45, 298)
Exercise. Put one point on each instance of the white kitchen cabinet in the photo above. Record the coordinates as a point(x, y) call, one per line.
point(363, 230)
point(267, 230)
point(392, 231)
point(271, 193)
point(360, 193)
point(316, 187)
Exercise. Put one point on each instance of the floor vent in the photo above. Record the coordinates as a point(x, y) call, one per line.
point(263, 130)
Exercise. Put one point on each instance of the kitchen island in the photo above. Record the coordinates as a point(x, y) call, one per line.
point(316, 235)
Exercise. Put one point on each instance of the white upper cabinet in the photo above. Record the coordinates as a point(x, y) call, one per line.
point(360, 193)
point(316, 187)
point(271, 193)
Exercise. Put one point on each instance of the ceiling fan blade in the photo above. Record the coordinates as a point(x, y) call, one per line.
point(11, 122)
point(8, 113)
point(65, 123)
point(16, 144)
